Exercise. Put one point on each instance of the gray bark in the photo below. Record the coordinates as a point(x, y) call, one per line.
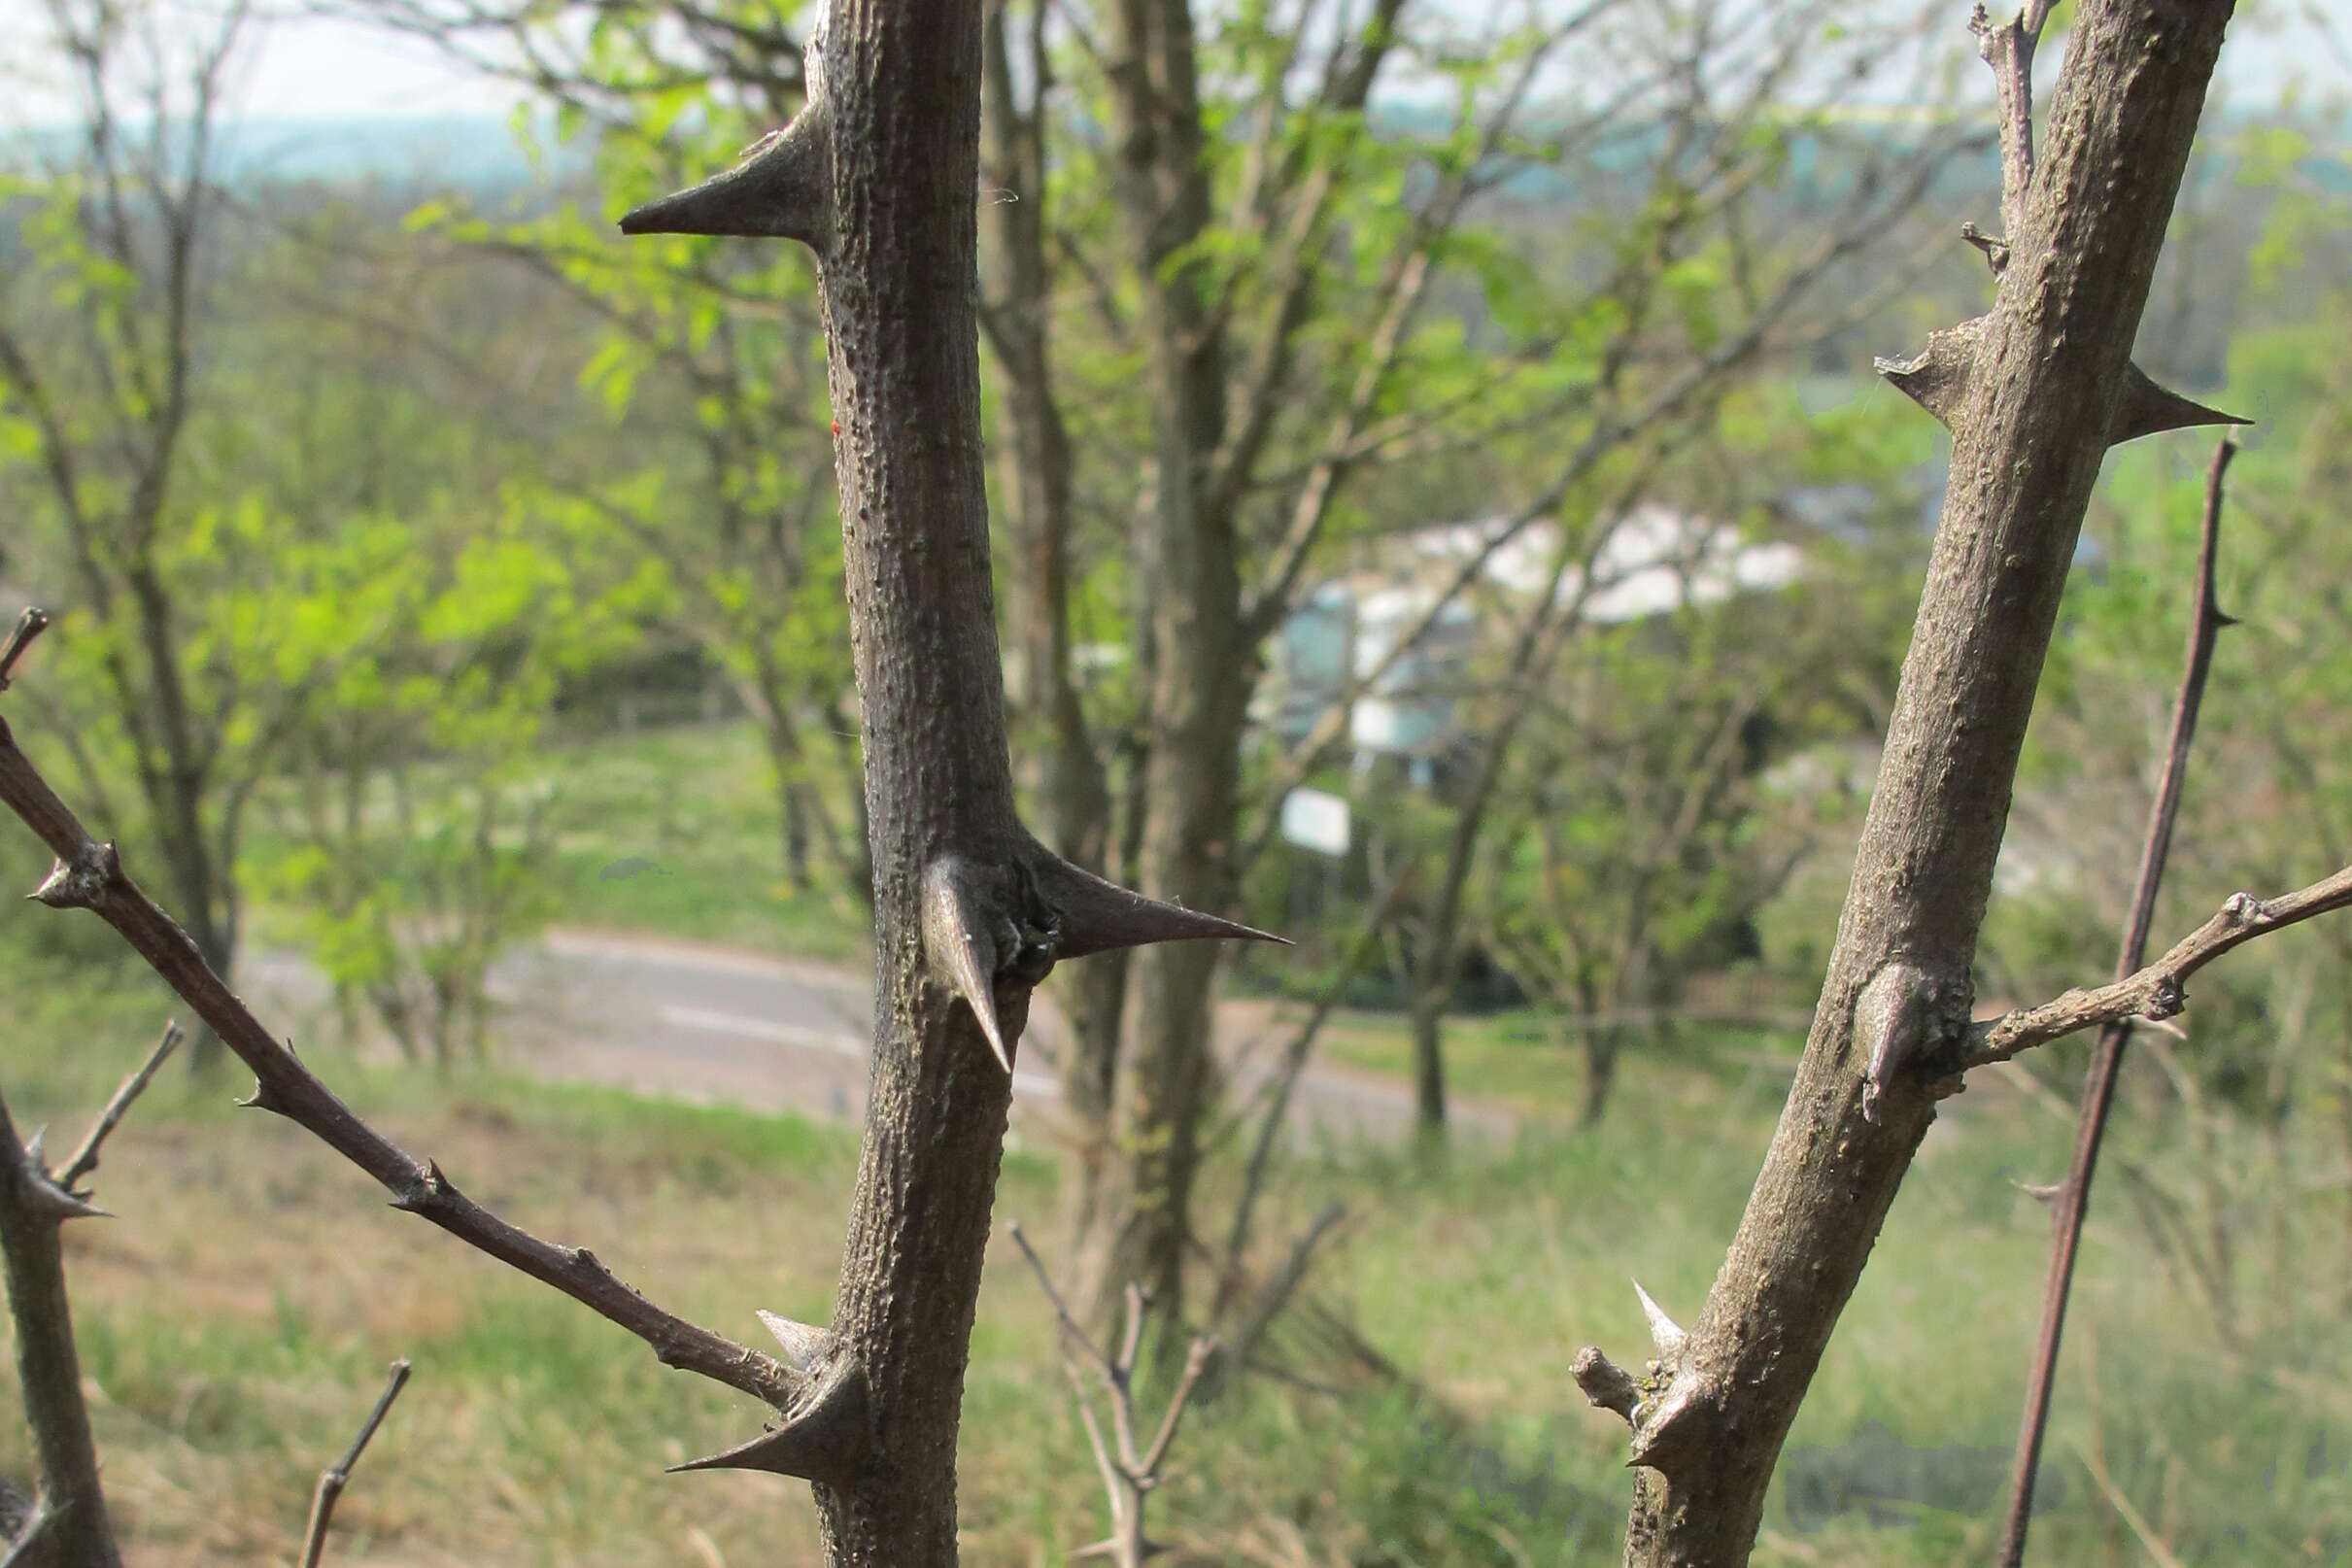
point(877, 176)
point(2031, 420)
point(33, 1209)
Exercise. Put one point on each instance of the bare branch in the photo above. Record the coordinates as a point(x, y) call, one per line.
point(89, 875)
point(85, 1158)
point(1130, 1469)
point(2155, 992)
point(2009, 50)
point(335, 1477)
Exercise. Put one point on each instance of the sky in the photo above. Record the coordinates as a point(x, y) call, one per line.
point(325, 68)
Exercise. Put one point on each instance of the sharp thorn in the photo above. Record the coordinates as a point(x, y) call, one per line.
point(783, 189)
point(2148, 408)
point(802, 1343)
point(1664, 1333)
point(1098, 916)
point(1937, 378)
point(956, 937)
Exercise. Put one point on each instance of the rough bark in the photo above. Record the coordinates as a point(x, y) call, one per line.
point(877, 175)
point(2031, 420)
point(33, 1209)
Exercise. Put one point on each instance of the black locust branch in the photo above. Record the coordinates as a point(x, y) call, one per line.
point(337, 1476)
point(1131, 1468)
point(90, 875)
point(2073, 1198)
point(1942, 378)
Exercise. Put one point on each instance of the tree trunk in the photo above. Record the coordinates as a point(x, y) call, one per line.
point(2034, 394)
point(1430, 998)
point(1602, 1044)
point(1070, 784)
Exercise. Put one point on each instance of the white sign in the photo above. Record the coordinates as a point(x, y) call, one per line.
point(1315, 821)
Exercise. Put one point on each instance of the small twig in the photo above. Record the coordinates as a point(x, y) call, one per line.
point(1130, 1469)
point(337, 1476)
point(2131, 1516)
point(2154, 992)
point(85, 1158)
point(1061, 1309)
point(2071, 1197)
point(2009, 50)
point(30, 624)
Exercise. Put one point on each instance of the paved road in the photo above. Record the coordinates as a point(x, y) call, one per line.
point(722, 1026)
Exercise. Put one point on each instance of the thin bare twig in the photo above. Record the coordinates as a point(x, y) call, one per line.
point(85, 1158)
point(1131, 1469)
point(2155, 992)
point(337, 1476)
point(2073, 1198)
point(89, 875)
point(30, 624)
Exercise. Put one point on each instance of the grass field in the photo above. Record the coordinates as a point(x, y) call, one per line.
point(237, 1317)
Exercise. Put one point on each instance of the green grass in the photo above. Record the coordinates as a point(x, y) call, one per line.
point(236, 1320)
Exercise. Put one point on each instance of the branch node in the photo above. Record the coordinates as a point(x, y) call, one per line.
point(83, 881)
point(428, 1189)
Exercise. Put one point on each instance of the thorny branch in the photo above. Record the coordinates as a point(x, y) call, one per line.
point(1131, 1469)
point(2073, 1198)
point(89, 875)
point(337, 1476)
point(34, 1207)
point(2155, 991)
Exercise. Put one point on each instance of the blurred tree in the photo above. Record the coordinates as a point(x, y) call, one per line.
point(105, 320)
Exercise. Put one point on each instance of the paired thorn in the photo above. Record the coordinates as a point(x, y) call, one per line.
point(1939, 378)
point(980, 927)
